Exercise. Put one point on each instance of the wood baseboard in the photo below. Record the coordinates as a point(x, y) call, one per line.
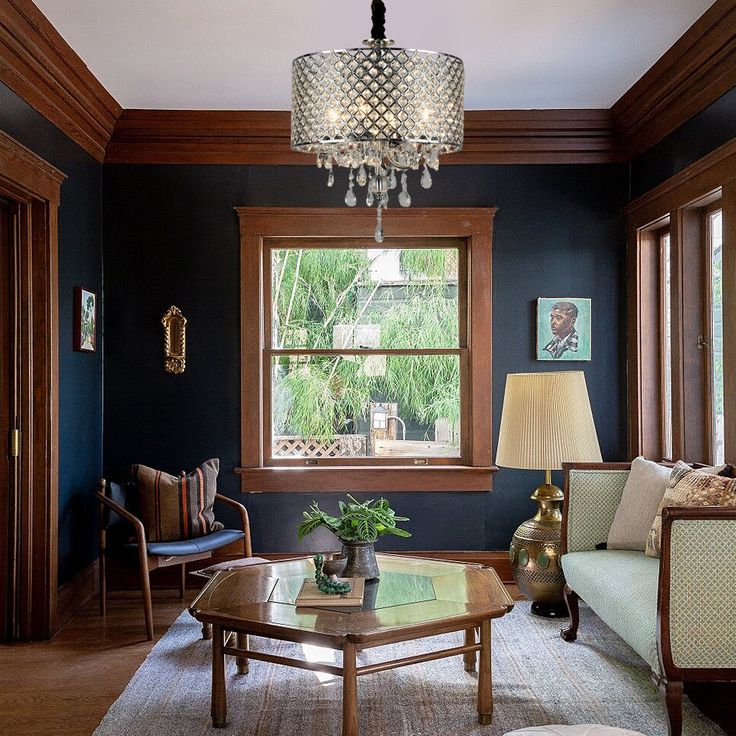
point(75, 593)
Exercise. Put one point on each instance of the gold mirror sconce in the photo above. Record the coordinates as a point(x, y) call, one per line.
point(175, 340)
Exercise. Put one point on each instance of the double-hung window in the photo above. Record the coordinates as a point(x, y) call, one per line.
point(366, 366)
point(682, 360)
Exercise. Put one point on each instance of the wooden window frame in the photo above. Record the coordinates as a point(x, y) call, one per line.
point(261, 229)
point(710, 419)
point(664, 307)
point(682, 201)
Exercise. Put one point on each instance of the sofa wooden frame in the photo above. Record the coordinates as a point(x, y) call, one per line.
point(671, 681)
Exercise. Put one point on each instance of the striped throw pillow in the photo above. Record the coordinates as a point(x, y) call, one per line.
point(177, 507)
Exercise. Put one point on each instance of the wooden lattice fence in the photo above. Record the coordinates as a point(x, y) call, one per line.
point(341, 445)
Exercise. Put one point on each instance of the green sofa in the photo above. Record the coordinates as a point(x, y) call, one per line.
point(676, 612)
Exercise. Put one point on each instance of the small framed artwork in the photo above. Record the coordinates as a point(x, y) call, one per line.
point(563, 328)
point(85, 320)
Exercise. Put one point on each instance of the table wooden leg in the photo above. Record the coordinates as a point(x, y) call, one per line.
point(207, 631)
point(241, 642)
point(219, 702)
point(349, 691)
point(485, 676)
point(469, 657)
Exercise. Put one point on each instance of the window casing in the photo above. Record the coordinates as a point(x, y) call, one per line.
point(682, 314)
point(270, 460)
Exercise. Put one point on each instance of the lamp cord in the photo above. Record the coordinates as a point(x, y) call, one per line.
point(378, 18)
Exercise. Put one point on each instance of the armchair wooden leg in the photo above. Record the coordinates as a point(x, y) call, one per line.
point(206, 631)
point(146, 589)
point(671, 693)
point(183, 581)
point(571, 600)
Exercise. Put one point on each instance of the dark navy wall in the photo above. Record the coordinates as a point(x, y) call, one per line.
point(700, 135)
point(171, 237)
point(80, 374)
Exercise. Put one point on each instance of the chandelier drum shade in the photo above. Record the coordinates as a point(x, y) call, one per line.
point(377, 111)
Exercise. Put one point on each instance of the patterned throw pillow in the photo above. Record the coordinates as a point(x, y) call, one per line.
point(688, 487)
point(177, 507)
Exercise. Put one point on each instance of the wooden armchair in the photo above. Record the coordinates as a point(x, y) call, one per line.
point(116, 515)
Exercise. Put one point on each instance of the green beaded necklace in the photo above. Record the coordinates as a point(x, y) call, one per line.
point(325, 585)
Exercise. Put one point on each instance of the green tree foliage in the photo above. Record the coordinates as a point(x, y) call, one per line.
point(316, 289)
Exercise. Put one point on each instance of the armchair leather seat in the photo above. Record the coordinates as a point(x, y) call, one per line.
point(192, 546)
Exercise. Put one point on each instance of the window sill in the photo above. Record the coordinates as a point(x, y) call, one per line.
point(432, 478)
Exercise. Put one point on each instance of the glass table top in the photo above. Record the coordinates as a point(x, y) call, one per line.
point(391, 589)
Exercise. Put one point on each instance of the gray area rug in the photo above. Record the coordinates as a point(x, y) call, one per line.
point(538, 680)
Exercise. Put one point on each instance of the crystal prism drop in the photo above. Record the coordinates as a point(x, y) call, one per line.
point(426, 180)
point(404, 197)
point(369, 199)
point(379, 227)
point(331, 178)
point(392, 179)
point(362, 177)
point(350, 198)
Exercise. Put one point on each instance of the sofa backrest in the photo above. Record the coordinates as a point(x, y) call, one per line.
point(592, 495)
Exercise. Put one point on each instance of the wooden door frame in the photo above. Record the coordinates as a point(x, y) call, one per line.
point(36, 186)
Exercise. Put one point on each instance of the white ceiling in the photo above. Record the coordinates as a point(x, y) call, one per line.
point(236, 54)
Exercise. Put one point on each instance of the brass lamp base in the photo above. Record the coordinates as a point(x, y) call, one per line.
point(535, 554)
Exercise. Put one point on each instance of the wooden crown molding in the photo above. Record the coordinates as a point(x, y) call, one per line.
point(37, 64)
point(692, 74)
point(29, 171)
point(263, 137)
point(40, 66)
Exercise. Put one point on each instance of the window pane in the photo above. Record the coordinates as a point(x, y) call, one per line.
point(716, 318)
point(667, 344)
point(345, 298)
point(366, 406)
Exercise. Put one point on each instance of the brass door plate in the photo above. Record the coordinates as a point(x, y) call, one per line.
point(175, 340)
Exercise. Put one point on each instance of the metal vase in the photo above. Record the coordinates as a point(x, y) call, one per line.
point(361, 560)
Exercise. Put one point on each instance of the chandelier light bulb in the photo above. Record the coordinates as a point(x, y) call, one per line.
point(378, 110)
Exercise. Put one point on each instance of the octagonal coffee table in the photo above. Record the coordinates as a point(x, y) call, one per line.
point(414, 598)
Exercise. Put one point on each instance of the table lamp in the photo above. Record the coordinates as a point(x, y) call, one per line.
point(546, 420)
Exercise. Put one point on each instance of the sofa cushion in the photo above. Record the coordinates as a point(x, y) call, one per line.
point(179, 507)
point(621, 587)
point(688, 487)
point(640, 500)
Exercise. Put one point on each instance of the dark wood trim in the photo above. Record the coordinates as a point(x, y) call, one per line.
point(259, 227)
point(35, 186)
point(691, 184)
point(692, 74)
point(264, 137)
point(728, 202)
point(75, 593)
point(680, 202)
point(41, 67)
point(368, 478)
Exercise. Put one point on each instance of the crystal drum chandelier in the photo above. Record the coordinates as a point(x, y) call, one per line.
point(377, 111)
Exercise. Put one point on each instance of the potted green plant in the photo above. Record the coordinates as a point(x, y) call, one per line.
point(358, 527)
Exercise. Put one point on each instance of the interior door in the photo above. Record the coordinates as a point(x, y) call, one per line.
point(9, 427)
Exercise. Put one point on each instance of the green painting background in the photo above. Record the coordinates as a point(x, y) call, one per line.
point(582, 325)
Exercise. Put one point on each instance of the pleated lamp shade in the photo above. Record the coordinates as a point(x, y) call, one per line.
point(546, 420)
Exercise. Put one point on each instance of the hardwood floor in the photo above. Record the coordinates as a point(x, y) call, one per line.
point(65, 686)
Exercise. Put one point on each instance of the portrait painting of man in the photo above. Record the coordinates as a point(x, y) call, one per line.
point(563, 328)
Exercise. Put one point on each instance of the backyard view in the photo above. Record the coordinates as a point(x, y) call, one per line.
point(365, 352)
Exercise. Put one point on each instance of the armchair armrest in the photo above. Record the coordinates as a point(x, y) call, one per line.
point(696, 592)
point(244, 520)
point(140, 532)
point(592, 495)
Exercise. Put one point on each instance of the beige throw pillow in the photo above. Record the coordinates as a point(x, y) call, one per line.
point(640, 501)
point(688, 487)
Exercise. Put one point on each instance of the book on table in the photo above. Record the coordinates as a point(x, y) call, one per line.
point(311, 595)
